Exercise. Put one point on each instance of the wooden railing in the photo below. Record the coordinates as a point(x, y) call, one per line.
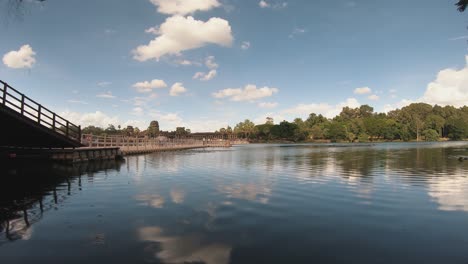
point(135, 143)
point(16, 101)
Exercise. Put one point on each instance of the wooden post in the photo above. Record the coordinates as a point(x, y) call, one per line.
point(4, 92)
point(22, 104)
point(39, 109)
point(53, 121)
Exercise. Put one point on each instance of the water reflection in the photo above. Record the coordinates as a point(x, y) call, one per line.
point(188, 248)
point(251, 204)
point(30, 190)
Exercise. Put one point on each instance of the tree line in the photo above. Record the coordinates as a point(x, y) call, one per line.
point(151, 132)
point(418, 121)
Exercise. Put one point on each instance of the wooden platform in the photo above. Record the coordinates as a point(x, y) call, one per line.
point(67, 155)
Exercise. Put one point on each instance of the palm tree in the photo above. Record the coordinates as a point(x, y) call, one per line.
point(462, 4)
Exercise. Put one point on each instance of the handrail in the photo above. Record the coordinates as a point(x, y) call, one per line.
point(42, 116)
point(124, 142)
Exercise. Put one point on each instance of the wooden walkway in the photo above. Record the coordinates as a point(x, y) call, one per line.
point(132, 145)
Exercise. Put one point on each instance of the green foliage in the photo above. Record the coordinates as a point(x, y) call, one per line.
point(430, 135)
point(417, 121)
point(153, 129)
point(363, 138)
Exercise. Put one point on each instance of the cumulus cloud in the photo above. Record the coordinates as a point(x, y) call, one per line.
point(148, 86)
point(325, 109)
point(263, 4)
point(211, 64)
point(449, 88)
point(373, 97)
point(245, 45)
point(184, 7)
point(103, 84)
point(20, 59)
point(267, 105)
point(205, 76)
point(402, 103)
point(180, 33)
point(107, 95)
point(363, 90)
point(278, 5)
point(90, 119)
point(249, 93)
point(177, 89)
point(185, 62)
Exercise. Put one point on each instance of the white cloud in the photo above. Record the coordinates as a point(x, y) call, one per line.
point(278, 5)
point(449, 88)
point(186, 62)
point(450, 192)
point(325, 109)
point(390, 107)
point(249, 93)
point(148, 86)
point(211, 63)
point(138, 111)
point(184, 7)
point(22, 58)
point(180, 33)
point(103, 84)
point(363, 90)
point(459, 38)
point(169, 119)
point(177, 89)
point(205, 76)
point(245, 45)
point(101, 119)
point(267, 105)
point(263, 4)
point(107, 95)
point(142, 101)
point(90, 119)
point(373, 97)
point(72, 101)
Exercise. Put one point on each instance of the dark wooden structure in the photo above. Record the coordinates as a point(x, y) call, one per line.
point(28, 124)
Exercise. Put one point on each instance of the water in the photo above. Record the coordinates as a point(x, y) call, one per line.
point(383, 203)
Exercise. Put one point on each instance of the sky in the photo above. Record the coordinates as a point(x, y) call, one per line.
point(206, 64)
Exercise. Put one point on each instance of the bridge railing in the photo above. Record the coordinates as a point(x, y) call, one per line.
point(16, 101)
point(89, 140)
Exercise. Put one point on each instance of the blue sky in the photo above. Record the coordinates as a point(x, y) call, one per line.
point(285, 59)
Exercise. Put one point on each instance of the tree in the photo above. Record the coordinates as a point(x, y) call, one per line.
point(336, 131)
point(110, 130)
point(430, 135)
point(182, 132)
point(462, 4)
point(153, 129)
point(245, 129)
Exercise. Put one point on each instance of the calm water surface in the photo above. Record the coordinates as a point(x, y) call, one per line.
point(385, 203)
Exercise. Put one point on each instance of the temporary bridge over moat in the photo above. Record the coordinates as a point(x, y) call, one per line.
point(31, 130)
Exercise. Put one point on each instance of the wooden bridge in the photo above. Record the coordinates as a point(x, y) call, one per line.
point(28, 124)
point(32, 131)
